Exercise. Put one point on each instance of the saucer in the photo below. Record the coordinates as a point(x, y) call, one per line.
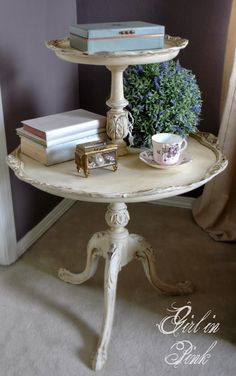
point(146, 156)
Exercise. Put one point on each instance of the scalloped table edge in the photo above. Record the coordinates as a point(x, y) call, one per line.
point(206, 139)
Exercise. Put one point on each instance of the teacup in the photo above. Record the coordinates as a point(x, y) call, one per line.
point(167, 148)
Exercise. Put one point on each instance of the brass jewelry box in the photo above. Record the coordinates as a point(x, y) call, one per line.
point(92, 155)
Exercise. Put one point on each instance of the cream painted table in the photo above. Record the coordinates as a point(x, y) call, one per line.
point(134, 181)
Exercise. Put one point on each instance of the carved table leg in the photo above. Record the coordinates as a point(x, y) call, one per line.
point(91, 265)
point(114, 251)
point(112, 269)
point(146, 254)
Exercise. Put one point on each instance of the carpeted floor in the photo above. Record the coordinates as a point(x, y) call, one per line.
point(50, 328)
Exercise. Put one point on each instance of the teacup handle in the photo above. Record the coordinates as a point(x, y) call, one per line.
point(183, 145)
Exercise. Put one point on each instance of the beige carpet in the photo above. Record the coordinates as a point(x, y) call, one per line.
point(50, 328)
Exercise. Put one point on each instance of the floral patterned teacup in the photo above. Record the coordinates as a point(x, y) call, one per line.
point(167, 148)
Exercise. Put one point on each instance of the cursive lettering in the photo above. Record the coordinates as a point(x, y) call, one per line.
point(184, 354)
point(182, 320)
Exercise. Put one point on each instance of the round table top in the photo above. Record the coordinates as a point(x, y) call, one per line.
point(172, 46)
point(134, 181)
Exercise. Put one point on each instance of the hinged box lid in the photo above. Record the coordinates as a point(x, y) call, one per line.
point(97, 146)
point(116, 29)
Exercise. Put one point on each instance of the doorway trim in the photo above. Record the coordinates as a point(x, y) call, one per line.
point(8, 244)
point(10, 248)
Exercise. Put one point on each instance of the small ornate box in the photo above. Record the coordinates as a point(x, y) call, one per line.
point(116, 36)
point(92, 155)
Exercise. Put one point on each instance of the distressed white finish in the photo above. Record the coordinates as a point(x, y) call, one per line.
point(8, 244)
point(133, 182)
point(117, 119)
point(172, 46)
point(118, 124)
point(118, 247)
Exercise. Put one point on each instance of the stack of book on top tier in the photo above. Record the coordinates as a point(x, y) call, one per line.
point(52, 139)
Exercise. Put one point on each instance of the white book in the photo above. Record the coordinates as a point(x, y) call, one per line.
point(67, 123)
point(22, 133)
point(58, 153)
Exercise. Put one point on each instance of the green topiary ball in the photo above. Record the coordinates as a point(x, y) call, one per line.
point(162, 97)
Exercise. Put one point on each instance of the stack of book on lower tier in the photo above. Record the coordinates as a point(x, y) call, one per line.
point(52, 139)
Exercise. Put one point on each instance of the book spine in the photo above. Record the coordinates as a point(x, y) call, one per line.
point(22, 133)
point(61, 153)
point(76, 137)
point(57, 154)
point(65, 131)
point(34, 131)
point(35, 152)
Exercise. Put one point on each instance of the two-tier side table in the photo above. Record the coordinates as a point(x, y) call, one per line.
point(134, 181)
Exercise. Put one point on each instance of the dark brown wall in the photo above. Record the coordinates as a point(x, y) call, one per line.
point(34, 83)
point(203, 22)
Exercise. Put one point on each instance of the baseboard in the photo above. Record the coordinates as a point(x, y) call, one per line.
point(176, 201)
point(33, 235)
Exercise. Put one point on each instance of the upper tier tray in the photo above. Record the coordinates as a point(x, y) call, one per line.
point(172, 46)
